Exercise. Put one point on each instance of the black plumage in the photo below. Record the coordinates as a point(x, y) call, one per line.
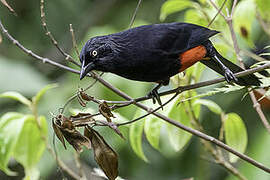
point(151, 53)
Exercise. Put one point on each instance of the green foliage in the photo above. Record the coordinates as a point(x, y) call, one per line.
point(11, 125)
point(192, 16)
point(23, 136)
point(31, 145)
point(135, 136)
point(210, 104)
point(152, 127)
point(16, 96)
point(264, 8)
point(244, 16)
point(39, 95)
point(172, 6)
point(235, 134)
point(177, 137)
point(179, 112)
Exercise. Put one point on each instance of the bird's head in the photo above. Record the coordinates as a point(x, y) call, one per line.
point(94, 54)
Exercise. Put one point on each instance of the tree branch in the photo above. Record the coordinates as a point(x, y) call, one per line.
point(125, 96)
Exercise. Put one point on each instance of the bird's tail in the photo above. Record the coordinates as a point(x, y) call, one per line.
point(248, 80)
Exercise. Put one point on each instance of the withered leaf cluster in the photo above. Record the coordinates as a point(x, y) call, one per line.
point(105, 110)
point(82, 97)
point(65, 128)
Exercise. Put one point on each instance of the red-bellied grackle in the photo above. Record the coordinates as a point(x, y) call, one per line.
point(154, 53)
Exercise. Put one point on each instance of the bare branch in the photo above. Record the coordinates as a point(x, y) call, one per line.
point(258, 108)
point(128, 98)
point(74, 43)
point(135, 13)
point(220, 9)
point(62, 165)
point(30, 53)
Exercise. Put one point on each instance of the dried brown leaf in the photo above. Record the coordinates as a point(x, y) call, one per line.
point(105, 110)
point(85, 96)
point(1, 39)
point(8, 6)
point(104, 155)
point(69, 132)
point(81, 115)
point(82, 119)
point(75, 139)
point(82, 103)
point(58, 133)
point(115, 129)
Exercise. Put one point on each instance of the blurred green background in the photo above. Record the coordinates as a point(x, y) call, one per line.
point(19, 72)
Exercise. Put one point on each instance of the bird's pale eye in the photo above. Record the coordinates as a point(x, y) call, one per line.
point(94, 53)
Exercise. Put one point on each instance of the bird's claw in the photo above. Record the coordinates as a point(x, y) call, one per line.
point(229, 76)
point(155, 97)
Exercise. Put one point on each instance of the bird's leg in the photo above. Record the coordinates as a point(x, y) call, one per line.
point(154, 95)
point(228, 74)
point(212, 53)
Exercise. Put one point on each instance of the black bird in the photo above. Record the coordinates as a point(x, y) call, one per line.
point(154, 53)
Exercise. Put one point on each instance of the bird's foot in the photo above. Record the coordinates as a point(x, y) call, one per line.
point(155, 97)
point(229, 76)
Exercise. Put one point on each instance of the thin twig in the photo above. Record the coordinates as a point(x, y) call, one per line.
point(125, 96)
point(62, 165)
point(134, 14)
point(253, 55)
point(220, 9)
point(257, 107)
point(74, 43)
point(30, 53)
point(79, 166)
point(207, 83)
point(49, 34)
point(150, 112)
point(215, 6)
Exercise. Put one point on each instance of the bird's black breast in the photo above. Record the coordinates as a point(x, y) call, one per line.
point(151, 52)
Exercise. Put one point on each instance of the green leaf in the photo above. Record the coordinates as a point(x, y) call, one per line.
point(152, 128)
point(16, 96)
point(38, 96)
point(264, 8)
point(235, 134)
point(173, 6)
point(193, 16)
point(244, 16)
point(135, 136)
point(31, 144)
point(11, 125)
point(210, 104)
point(177, 137)
point(31, 174)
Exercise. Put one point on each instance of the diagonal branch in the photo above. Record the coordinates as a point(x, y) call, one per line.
point(135, 13)
point(125, 96)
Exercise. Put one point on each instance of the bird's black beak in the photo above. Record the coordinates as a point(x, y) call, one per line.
point(86, 69)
